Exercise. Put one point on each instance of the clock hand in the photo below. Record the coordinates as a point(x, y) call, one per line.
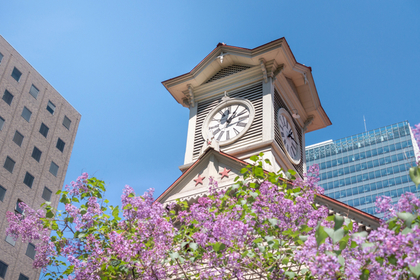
point(233, 115)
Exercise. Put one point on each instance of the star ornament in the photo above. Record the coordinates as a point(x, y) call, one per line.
point(199, 180)
point(224, 173)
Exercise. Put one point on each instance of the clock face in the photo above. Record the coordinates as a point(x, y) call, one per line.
point(289, 135)
point(228, 121)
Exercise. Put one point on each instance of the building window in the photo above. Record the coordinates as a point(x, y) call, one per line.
point(10, 240)
point(34, 91)
point(44, 130)
point(3, 269)
point(16, 74)
point(18, 138)
point(1, 123)
point(66, 122)
point(23, 277)
point(53, 168)
point(46, 194)
point(29, 179)
point(30, 251)
point(26, 114)
point(17, 208)
point(9, 164)
point(1, 57)
point(51, 107)
point(60, 144)
point(36, 154)
point(7, 97)
point(2, 193)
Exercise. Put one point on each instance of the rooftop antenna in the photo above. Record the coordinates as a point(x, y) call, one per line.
point(364, 120)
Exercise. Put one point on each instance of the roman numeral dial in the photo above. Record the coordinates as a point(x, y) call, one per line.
point(289, 136)
point(228, 121)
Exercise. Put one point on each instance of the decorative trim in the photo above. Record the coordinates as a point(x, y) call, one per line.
point(263, 69)
point(307, 123)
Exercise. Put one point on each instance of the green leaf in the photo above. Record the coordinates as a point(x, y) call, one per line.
point(244, 170)
point(75, 199)
point(338, 221)
point(407, 230)
point(343, 242)
point(259, 172)
point(415, 269)
point(254, 158)
point(115, 212)
point(303, 237)
point(273, 221)
point(50, 214)
point(407, 217)
point(365, 274)
point(320, 235)
point(115, 263)
point(362, 234)
point(290, 274)
point(415, 175)
point(267, 161)
point(193, 246)
point(392, 259)
point(174, 256)
point(69, 270)
point(218, 246)
point(341, 260)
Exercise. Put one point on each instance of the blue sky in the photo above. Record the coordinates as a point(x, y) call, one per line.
point(108, 59)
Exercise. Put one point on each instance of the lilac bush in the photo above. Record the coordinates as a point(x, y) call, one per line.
point(266, 225)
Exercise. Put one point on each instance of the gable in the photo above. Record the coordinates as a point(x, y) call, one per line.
point(227, 71)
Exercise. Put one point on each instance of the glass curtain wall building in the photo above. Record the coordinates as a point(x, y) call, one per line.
point(357, 169)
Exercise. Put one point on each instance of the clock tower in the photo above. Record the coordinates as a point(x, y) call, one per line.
point(243, 102)
point(246, 101)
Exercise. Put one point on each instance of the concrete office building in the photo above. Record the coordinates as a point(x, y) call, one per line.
point(357, 169)
point(37, 131)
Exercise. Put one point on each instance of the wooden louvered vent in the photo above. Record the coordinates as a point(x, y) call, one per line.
point(254, 94)
point(227, 71)
point(279, 103)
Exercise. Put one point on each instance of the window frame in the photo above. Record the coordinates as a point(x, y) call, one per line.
point(30, 251)
point(49, 193)
point(25, 109)
point(51, 108)
point(18, 138)
point(56, 167)
point(3, 269)
point(10, 160)
point(38, 152)
point(61, 146)
point(29, 179)
point(2, 193)
point(6, 96)
point(16, 72)
point(64, 122)
point(2, 121)
point(42, 128)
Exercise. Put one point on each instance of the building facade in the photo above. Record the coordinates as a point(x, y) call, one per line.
point(37, 131)
point(357, 169)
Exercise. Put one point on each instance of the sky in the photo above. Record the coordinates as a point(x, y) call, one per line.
point(108, 59)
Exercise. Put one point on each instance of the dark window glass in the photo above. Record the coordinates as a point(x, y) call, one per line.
point(3, 269)
point(391, 181)
point(398, 180)
point(406, 189)
point(26, 114)
point(23, 277)
point(335, 173)
point(374, 152)
point(330, 185)
point(341, 182)
point(18, 138)
point(387, 160)
point(394, 158)
point(354, 190)
point(343, 193)
point(336, 183)
point(7, 97)
point(16, 74)
point(333, 163)
point(356, 202)
point(362, 155)
point(363, 165)
point(1, 123)
point(379, 185)
point(361, 189)
point(1, 57)
point(44, 130)
point(396, 169)
point(60, 144)
point(369, 164)
point(323, 176)
point(404, 179)
point(352, 169)
point(404, 144)
point(34, 91)
point(362, 200)
point(392, 147)
point(368, 154)
point(394, 193)
point(359, 178)
point(381, 161)
point(346, 170)
point(373, 186)
point(46, 194)
point(322, 166)
point(345, 159)
point(66, 122)
point(353, 180)
point(30, 251)
point(348, 181)
point(369, 199)
point(400, 191)
point(2, 193)
point(9, 164)
point(389, 171)
point(36, 154)
point(17, 208)
point(358, 167)
point(413, 189)
point(377, 173)
point(50, 107)
point(350, 202)
point(383, 172)
point(397, 146)
point(349, 192)
point(53, 168)
point(371, 175)
point(328, 163)
point(385, 183)
point(376, 163)
point(29, 179)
